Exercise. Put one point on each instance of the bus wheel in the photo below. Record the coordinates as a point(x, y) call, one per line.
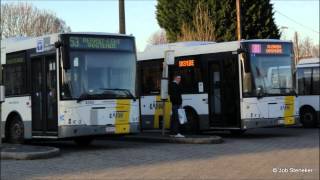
point(192, 126)
point(83, 141)
point(237, 132)
point(308, 118)
point(16, 131)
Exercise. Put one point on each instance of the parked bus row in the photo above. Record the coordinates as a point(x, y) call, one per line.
point(80, 85)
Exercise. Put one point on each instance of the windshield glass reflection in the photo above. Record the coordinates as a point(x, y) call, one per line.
point(272, 74)
point(97, 74)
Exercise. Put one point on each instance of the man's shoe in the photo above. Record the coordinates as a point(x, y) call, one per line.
point(179, 136)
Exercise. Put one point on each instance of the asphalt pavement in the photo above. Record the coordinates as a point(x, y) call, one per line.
point(269, 153)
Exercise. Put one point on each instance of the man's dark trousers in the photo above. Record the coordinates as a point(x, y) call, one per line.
point(175, 123)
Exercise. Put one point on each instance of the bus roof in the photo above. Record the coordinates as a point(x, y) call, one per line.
point(309, 61)
point(266, 40)
point(188, 48)
point(22, 43)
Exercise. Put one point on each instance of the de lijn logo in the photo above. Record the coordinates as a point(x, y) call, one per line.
point(40, 46)
point(44, 45)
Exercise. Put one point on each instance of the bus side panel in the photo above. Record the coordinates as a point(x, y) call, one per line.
point(21, 106)
point(251, 108)
point(149, 112)
point(198, 102)
point(268, 111)
point(310, 100)
point(98, 117)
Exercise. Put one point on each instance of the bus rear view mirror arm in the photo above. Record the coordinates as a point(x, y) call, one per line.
point(241, 50)
point(63, 55)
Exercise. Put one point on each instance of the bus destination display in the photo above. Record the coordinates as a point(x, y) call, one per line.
point(186, 63)
point(267, 49)
point(100, 43)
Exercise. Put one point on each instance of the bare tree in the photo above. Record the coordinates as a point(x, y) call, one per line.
point(159, 37)
point(304, 48)
point(315, 51)
point(23, 19)
point(202, 27)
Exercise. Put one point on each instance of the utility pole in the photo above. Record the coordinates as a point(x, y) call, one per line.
point(296, 41)
point(238, 20)
point(122, 18)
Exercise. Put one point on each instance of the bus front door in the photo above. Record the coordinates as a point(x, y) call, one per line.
point(224, 103)
point(44, 96)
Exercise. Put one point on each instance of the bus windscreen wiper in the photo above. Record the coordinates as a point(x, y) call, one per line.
point(82, 97)
point(117, 89)
point(291, 90)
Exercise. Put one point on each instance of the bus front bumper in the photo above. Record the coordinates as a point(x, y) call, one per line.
point(67, 131)
point(267, 122)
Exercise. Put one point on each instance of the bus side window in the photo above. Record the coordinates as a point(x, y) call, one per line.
point(151, 77)
point(304, 81)
point(15, 74)
point(316, 81)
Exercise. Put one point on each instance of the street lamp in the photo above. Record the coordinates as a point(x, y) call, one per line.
point(282, 30)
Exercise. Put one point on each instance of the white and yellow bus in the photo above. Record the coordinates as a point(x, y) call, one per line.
point(229, 85)
point(308, 81)
point(74, 85)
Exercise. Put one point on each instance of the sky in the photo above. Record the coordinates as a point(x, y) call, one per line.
point(102, 16)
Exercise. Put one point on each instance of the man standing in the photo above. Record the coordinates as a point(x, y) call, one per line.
point(175, 91)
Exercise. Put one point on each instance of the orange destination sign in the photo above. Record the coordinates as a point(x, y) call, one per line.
point(274, 49)
point(186, 63)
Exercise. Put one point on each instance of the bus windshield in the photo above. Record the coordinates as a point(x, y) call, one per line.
point(99, 74)
point(272, 74)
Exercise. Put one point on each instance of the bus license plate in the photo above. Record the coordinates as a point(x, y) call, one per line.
point(281, 121)
point(110, 129)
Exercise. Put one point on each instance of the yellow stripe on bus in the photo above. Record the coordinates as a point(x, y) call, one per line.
point(159, 112)
point(122, 125)
point(289, 111)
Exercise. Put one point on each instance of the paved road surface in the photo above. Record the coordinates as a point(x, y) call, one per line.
point(253, 156)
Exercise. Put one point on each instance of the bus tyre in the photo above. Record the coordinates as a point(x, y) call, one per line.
point(83, 141)
point(237, 132)
point(16, 131)
point(192, 126)
point(308, 118)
